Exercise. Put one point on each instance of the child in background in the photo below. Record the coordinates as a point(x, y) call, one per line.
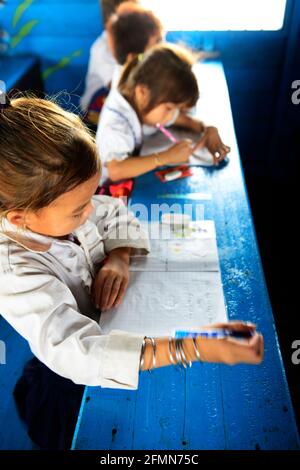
point(54, 237)
point(130, 30)
point(156, 87)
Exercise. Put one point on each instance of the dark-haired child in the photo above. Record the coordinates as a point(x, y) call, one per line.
point(130, 30)
point(156, 87)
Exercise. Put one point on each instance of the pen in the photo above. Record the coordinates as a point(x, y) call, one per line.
point(214, 334)
point(167, 133)
point(171, 137)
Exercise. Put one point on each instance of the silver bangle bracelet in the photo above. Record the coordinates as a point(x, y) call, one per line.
point(187, 363)
point(170, 352)
point(197, 352)
point(177, 352)
point(142, 358)
point(154, 353)
point(181, 359)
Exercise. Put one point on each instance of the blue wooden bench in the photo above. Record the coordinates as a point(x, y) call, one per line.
point(209, 406)
point(20, 72)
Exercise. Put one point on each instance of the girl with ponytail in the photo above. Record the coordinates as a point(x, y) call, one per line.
point(158, 86)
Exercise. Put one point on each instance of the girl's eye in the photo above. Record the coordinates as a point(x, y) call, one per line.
point(77, 216)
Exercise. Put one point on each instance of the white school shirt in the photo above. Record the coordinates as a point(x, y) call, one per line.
point(45, 287)
point(146, 130)
point(100, 69)
point(119, 131)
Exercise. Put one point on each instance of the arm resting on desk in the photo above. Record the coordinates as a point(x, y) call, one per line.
point(225, 351)
point(136, 166)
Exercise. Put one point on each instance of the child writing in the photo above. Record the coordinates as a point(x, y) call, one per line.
point(156, 87)
point(131, 29)
point(54, 237)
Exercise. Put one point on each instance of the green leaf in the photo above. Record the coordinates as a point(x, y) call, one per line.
point(20, 10)
point(24, 31)
point(62, 63)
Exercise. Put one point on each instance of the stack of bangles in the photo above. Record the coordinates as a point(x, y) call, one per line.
point(180, 357)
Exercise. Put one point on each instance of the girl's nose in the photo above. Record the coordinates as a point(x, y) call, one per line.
point(88, 210)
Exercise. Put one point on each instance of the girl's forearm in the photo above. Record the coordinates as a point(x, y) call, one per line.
point(135, 166)
point(162, 353)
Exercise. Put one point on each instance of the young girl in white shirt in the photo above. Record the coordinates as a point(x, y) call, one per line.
point(158, 86)
point(131, 29)
point(64, 257)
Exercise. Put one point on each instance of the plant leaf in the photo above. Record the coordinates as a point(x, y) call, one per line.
point(20, 10)
point(24, 31)
point(62, 63)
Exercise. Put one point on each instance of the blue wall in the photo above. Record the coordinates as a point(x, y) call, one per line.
point(59, 32)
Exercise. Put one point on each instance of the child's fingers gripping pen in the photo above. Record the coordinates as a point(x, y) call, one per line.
point(236, 325)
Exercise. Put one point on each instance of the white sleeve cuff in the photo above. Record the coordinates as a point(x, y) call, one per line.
point(121, 360)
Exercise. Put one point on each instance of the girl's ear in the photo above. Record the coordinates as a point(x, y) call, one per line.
point(142, 96)
point(16, 218)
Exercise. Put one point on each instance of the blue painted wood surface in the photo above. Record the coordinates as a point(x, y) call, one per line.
point(13, 434)
point(12, 69)
point(209, 406)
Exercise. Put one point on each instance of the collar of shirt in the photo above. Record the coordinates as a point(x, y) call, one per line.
point(29, 240)
point(120, 105)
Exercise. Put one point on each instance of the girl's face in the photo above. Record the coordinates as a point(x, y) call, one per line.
point(64, 215)
point(162, 113)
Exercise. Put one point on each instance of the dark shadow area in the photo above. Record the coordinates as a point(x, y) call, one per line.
point(275, 212)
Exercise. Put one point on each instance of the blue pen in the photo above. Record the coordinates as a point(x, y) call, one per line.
point(214, 334)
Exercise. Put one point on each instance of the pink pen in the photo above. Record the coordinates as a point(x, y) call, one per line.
point(167, 133)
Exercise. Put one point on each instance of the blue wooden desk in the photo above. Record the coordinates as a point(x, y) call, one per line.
point(209, 406)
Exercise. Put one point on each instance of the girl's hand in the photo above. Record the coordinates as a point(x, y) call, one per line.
point(111, 282)
point(178, 153)
point(212, 141)
point(234, 351)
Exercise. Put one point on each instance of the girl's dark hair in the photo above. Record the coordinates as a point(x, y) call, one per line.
point(131, 28)
point(108, 8)
point(45, 151)
point(166, 70)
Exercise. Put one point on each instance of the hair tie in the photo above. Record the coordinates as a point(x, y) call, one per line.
point(140, 57)
point(113, 17)
point(4, 101)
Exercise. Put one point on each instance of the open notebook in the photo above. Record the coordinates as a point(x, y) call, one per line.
point(177, 286)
